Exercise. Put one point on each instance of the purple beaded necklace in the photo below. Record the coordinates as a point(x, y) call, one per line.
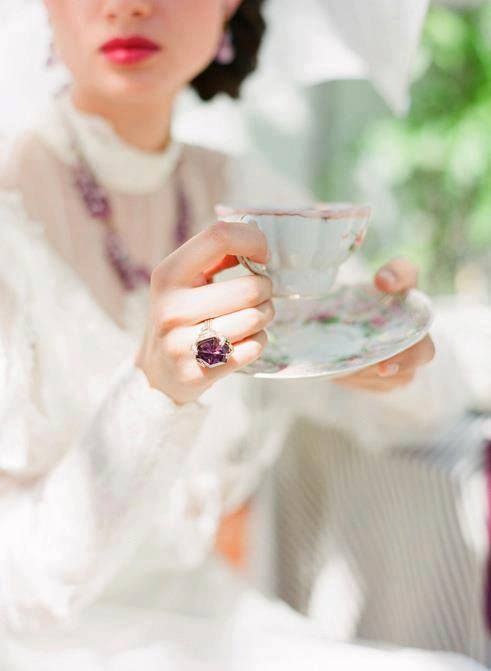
point(132, 275)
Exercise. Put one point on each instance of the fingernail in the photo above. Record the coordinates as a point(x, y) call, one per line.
point(247, 219)
point(390, 370)
point(387, 276)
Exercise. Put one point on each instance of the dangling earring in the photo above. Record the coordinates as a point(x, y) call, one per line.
point(226, 50)
point(52, 58)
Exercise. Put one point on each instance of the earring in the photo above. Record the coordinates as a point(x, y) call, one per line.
point(52, 58)
point(226, 51)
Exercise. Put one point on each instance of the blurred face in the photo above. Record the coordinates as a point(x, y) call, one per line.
point(137, 49)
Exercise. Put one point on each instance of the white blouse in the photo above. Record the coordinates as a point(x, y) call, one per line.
point(83, 439)
point(104, 481)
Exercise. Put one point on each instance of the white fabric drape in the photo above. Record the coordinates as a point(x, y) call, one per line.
point(345, 39)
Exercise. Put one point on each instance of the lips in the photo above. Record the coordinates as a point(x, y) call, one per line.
point(129, 50)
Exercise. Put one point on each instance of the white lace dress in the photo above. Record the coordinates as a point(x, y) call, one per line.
point(110, 495)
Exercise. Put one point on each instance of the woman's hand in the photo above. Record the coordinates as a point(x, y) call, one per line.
point(397, 275)
point(182, 299)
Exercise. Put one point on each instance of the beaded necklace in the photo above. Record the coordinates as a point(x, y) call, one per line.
point(131, 274)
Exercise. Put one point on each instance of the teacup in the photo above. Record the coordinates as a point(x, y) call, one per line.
point(307, 246)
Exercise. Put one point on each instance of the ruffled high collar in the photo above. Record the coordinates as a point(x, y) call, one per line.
point(117, 165)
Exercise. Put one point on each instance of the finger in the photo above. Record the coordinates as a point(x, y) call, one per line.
point(398, 275)
point(188, 307)
point(236, 327)
point(244, 354)
point(400, 367)
point(222, 298)
point(226, 263)
point(413, 358)
point(207, 250)
point(375, 383)
point(241, 325)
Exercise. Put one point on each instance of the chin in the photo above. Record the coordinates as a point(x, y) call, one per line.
point(135, 87)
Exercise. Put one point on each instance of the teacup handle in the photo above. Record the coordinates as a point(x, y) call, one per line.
point(252, 266)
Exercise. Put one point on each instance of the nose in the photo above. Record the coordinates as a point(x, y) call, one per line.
point(127, 9)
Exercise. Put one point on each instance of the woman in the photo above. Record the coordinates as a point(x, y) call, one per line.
point(113, 477)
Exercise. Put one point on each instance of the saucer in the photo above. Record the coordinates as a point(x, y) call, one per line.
point(353, 328)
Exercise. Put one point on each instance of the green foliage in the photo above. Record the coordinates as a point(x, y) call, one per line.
point(436, 162)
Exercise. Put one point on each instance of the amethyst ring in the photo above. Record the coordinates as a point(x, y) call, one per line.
point(210, 349)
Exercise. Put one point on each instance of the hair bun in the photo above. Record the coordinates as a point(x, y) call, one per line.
point(247, 27)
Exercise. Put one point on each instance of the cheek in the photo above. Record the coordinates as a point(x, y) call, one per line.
point(67, 17)
point(189, 29)
point(197, 33)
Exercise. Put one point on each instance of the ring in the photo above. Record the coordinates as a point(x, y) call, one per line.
point(211, 349)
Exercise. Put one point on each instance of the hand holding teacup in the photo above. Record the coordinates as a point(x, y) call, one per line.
point(304, 261)
point(306, 249)
point(187, 310)
point(396, 276)
point(306, 246)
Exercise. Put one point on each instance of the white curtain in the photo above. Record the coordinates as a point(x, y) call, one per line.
point(318, 40)
point(309, 42)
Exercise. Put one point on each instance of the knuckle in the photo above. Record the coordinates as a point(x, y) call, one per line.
point(252, 293)
point(269, 313)
point(253, 348)
point(159, 278)
point(258, 344)
point(219, 233)
point(173, 347)
point(254, 320)
point(168, 318)
point(192, 376)
point(195, 380)
point(259, 319)
point(256, 290)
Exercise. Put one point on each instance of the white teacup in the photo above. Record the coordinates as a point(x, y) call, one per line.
point(307, 246)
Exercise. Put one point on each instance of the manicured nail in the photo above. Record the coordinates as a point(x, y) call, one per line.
point(390, 370)
point(247, 219)
point(388, 277)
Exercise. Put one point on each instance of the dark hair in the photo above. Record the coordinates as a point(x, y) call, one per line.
point(247, 27)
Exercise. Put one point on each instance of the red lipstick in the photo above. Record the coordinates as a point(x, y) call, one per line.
point(129, 50)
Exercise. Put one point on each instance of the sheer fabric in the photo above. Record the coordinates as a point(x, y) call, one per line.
point(110, 494)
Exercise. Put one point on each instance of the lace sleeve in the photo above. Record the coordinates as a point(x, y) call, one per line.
point(74, 505)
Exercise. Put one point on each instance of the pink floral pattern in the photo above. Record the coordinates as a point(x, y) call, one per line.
point(354, 328)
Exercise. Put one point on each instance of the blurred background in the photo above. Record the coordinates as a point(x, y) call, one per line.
point(428, 174)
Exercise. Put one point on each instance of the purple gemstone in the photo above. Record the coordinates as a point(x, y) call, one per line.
point(142, 275)
point(213, 351)
point(132, 275)
point(95, 199)
point(182, 232)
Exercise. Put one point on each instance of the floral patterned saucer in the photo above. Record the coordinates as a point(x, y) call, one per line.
point(355, 327)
